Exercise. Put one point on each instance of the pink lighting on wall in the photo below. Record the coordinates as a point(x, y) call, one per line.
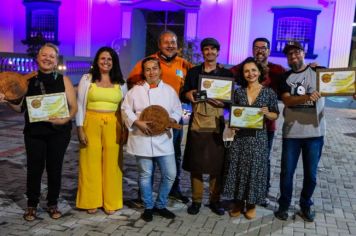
point(240, 31)
point(342, 33)
point(83, 28)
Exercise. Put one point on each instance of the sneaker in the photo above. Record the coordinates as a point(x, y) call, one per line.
point(307, 214)
point(178, 196)
point(281, 214)
point(164, 212)
point(216, 208)
point(147, 215)
point(194, 208)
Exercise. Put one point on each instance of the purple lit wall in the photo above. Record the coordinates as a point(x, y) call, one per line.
point(106, 24)
point(19, 24)
point(7, 27)
point(262, 25)
point(214, 19)
point(66, 31)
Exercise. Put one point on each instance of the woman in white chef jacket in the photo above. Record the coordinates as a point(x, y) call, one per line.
point(152, 149)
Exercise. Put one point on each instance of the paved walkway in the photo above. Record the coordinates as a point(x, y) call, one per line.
point(335, 196)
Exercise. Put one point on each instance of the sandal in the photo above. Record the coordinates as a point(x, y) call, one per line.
point(30, 214)
point(54, 213)
point(92, 211)
point(108, 212)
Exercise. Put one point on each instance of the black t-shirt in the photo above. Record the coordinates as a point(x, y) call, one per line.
point(52, 83)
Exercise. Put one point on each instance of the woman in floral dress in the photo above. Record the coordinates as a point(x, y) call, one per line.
point(246, 172)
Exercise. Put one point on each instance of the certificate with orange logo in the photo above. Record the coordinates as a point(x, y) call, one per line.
point(220, 88)
point(336, 81)
point(44, 107)
point(246, 117)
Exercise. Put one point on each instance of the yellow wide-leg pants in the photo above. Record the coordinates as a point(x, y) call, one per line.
point(100, 176)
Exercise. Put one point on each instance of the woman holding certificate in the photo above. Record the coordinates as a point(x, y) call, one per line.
point(46, 141)
point(247, 158)
point(99, 129)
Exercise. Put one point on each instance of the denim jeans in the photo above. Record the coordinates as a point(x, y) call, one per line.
point(167, 167)
point(311, 151)
point(177, 141)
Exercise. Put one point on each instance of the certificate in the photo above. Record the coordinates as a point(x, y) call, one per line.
point(220, 88)
point(246, 117)
point(336, 81)
point(44, 107)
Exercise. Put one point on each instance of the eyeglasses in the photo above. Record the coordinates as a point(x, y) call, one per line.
point(261, 49)
point(294, 52)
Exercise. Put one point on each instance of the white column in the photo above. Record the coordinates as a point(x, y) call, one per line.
point(191, 20)
point(7, 26)
point(126, 23)
point(83, 27)
point(240, 30)
point(342, 33)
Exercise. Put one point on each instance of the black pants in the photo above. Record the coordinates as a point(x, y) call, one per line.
point(45, 151)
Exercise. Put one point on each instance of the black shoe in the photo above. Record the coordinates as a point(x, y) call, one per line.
point(216, 208)
point(147, 215)
point(265, 203)
point(281, 214)
point(194, 208)
point(178, 196)
point(307, 214)
point(164, 212)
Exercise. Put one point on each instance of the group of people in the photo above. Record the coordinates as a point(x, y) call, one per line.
point(104, 110)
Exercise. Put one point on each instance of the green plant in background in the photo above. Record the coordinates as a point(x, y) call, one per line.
point(190, 51)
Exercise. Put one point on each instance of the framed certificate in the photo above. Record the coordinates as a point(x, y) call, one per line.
point(336, 81)
point(44, 107)
point(246, 117)
point(220, 88)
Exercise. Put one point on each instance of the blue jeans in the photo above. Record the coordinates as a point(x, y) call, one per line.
point(177, 141)
point(167, 167)
point(311, 151)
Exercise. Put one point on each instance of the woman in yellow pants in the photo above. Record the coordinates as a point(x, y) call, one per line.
point(99, 95)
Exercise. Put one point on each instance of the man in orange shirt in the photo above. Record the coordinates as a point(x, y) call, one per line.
point(174, 70)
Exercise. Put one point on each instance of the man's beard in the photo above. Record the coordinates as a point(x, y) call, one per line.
point(260, 60)
point(297, 66)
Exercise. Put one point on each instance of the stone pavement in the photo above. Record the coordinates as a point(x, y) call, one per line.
point(334, 198)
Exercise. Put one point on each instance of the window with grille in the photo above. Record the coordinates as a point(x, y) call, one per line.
point(43, 22)
point(294, 24)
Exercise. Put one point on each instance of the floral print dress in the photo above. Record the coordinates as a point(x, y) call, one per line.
point(247, 157)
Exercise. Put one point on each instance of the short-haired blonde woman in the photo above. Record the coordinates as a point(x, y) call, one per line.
point(46, 141)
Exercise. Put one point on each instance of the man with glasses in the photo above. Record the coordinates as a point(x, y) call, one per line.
point(174, 70)
point(303, 131)
point(272, 76)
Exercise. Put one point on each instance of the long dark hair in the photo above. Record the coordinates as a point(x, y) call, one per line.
point(115, 73)
point(241, 72)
